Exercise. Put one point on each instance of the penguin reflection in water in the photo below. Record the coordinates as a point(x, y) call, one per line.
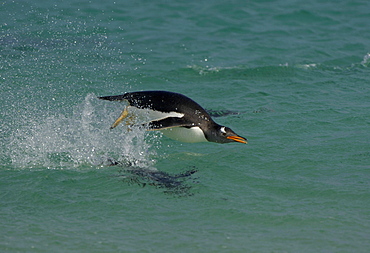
point(177, 116)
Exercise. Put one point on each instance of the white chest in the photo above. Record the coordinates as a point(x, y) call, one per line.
point(193, 134)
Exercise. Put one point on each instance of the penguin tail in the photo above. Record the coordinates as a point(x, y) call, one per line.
point(113, 98)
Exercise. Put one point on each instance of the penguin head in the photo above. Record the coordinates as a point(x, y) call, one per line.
point(222, 134)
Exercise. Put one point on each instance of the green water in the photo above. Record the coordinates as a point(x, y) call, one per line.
point(297, 75)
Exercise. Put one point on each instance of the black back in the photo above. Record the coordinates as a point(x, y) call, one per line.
point(165, 101)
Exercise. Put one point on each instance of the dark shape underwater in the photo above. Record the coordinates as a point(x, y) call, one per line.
point(174, 184)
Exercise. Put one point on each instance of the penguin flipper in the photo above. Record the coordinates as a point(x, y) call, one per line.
point(168, 123)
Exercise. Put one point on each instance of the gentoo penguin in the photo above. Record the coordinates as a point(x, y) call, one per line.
point(177, 116)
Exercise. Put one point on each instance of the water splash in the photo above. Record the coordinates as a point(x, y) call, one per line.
point(81, 139)
point(366, 60)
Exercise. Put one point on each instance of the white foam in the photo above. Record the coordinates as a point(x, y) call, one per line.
point(366, 60)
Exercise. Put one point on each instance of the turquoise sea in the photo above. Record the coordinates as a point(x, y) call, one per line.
point(295, 76)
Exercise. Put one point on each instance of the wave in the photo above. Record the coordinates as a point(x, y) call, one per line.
point(283, 68)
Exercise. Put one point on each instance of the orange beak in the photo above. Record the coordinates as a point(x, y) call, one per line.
point(238, 139)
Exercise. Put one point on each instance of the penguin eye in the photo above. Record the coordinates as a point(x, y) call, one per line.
point(223, 130)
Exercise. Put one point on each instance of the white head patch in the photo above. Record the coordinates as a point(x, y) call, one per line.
point(223, 130)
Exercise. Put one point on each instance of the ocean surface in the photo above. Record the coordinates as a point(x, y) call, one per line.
point(291, 76)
